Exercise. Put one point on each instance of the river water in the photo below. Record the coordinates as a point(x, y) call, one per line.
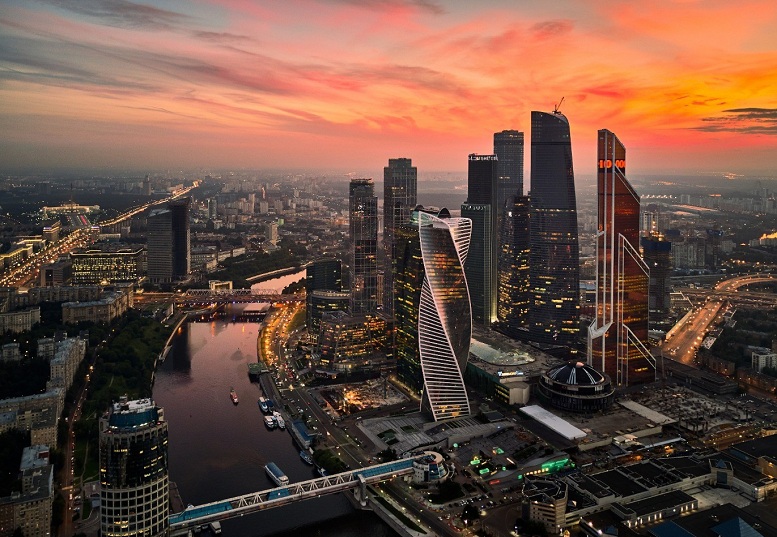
point(277, 284)
point(218, 450)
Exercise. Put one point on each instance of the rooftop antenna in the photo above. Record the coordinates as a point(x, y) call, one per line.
point(556, 108)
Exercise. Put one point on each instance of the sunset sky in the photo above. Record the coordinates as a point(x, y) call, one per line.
point(688, 86)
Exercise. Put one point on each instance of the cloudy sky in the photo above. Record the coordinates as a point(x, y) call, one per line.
point(687, 85)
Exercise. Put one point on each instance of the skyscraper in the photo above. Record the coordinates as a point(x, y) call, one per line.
point(433, 316)
point(481, 265)
point(508, 148)
point(134, 485)
point(514, 250)
point(617, 338)
point(363, 226)
point(400, 185)
point(169, 242)
point(554, 272)
point(321, 275)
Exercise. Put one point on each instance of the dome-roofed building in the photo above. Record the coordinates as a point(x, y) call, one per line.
point(576, 386)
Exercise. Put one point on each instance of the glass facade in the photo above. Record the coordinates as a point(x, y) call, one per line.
point(92, 267)
point(134, 486)
point(481, 207)
point(169, 242)
point(321, 275)
point(433, 316)
point(514, 248)
point(400, 195)
point(618, 336)
point(554, 271)
point(363, 227)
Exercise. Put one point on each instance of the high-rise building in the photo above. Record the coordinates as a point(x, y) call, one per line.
point(554, 269)
point(323, 275)
point(433, 316)
point(363, 227)
point(481, 265)
point(657, 253)
point(134, 483)
point(169, 242)
point(508, 148)
point(514, 249)
point(617, 337)
point(400, 186)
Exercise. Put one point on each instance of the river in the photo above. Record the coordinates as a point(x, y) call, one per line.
point(277, 284)
point(218, 450)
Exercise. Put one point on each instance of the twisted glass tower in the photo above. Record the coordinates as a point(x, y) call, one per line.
point(433, 316)
point(444, 317)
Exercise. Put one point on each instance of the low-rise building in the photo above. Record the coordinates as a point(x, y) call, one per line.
point(19, 321)
point(107, 265)
point(112, 304)
point(30, 509)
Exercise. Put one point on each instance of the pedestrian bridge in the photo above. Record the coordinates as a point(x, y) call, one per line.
point(193, 516)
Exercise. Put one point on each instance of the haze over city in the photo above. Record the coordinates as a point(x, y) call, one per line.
point(689, 86)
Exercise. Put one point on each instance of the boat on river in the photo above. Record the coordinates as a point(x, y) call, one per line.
point(305, 456)
point(276, 474)
point(263, 405)
point(279, 421)
point(233, 395)
point(269, 422)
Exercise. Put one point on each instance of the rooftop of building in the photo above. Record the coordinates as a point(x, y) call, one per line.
point(108, 248)
point(660, 502)
point(504, 357)
point(723, 521)
point(759, 447)
point(34, 457)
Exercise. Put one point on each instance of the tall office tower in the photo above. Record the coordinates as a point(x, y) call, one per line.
point(400, 186)
point(508, 148)
point(554, 269)
point(657, 253)
point(514, 249)
point(213, 208)
point(134, 488)
point(481, 265)
point(433, 316)
point(617, 337)
point(363, 225)
point(169, 242)
point(321, 275)
point(147, 186)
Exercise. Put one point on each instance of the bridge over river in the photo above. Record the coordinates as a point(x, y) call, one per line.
point(193, 516)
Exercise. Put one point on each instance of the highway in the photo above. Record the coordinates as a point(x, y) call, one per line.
point(27, 272)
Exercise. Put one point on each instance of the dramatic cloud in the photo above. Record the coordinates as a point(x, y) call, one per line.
point(744, 121)
point(123, 13)
point(352, 82)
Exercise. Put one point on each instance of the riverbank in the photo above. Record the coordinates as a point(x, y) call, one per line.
point(259, 278)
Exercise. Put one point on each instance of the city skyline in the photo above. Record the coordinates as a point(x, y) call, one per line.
point(234, 84)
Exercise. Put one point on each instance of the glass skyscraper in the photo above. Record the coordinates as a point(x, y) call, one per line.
point(433, 316)
point(169, 242)
point(512, 250)
point(481, 208)
point(134, 483)
point(363, 227)
point(618, 336)
point(554, 272)
point(400, 195)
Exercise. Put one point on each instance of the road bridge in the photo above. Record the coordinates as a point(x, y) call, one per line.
point(193, 516)
point(194, 297)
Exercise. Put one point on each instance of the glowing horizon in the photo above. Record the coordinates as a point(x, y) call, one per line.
point(687, 85)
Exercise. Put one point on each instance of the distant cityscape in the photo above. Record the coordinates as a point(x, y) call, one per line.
point(522, 358)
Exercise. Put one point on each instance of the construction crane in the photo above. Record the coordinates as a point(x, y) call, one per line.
point(558, 106)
